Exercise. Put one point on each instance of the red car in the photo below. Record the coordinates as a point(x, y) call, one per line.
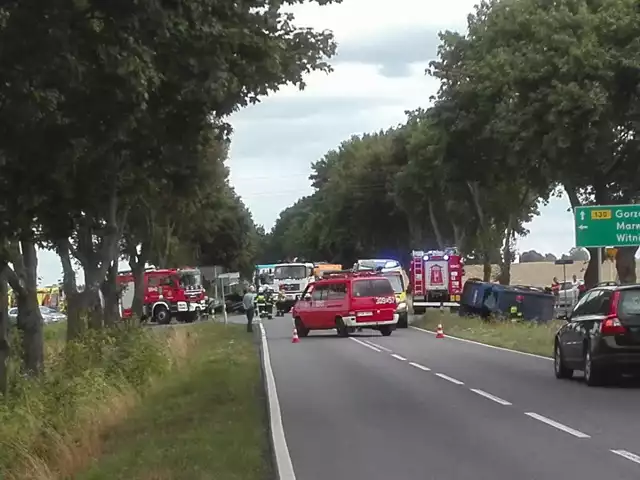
point(347, 301)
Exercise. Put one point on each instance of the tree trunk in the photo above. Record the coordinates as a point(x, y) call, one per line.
point(507, 258)
point(626, 265)
point(591, 273)
point(75, 321)
point(111, 297)
point(24, 281)
point(486, 267)
point(434, 224)
point(4, 331)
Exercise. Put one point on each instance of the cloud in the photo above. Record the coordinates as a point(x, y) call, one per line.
point(393, 51)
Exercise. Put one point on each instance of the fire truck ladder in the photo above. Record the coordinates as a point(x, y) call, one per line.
point(418, 275)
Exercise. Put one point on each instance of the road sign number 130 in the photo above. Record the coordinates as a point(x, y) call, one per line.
point(600, 214)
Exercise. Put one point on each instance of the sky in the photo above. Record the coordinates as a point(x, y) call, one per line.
point(383, 50)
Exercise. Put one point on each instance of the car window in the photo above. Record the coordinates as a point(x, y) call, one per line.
point(337, 291)
point(593, 303)
point(580, 306)
point(396, 282)
point(319, 293)
point(629, 302)
point(372, 288)
point(602, 304)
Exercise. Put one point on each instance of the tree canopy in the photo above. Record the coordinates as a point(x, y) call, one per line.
point(114, 134)
point(535, 97)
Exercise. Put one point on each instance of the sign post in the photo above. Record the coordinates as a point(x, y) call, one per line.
point(601, 226)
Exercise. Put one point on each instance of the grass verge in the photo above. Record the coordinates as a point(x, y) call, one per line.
point(523, 336)
point(205, 420)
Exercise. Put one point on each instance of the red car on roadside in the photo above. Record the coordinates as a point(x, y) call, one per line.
point(346, 301)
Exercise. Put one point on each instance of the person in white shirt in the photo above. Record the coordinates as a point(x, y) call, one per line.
point(248, 302)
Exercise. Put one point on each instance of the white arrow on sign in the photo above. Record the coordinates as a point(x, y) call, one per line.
point(583, 227)
point(582, 214)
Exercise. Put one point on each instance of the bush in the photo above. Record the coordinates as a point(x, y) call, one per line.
point(50, 426)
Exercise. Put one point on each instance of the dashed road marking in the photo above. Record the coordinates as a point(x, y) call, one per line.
point(388, 350)
point(398, 357)
point(559, 426)
point(421, 367)
point(628, 455)
point(450, 379)
point(484, 394)
point(366, 344)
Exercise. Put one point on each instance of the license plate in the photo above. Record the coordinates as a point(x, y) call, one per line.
point(364, 314)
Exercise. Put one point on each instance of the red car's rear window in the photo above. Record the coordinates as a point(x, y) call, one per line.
point(375, 287)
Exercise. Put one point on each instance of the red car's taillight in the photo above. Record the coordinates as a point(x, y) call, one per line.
point(611, 324)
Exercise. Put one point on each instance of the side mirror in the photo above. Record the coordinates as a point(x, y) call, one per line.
point(307, 297)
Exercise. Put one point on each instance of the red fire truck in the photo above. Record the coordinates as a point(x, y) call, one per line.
point(168, 293)
point(436, 278)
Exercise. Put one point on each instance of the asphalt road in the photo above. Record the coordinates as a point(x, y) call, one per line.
point(411, 406)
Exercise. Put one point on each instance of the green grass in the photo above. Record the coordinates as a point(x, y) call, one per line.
point(206, 420)
point(524, 337)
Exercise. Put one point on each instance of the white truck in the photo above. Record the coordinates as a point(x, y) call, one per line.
point(293, 278)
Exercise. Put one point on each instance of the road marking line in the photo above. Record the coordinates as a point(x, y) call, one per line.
point(366, 344)
point(490, 397)
point(398, 357)
point(559, 426)
point(284, 465)
point(485, 344)
point(379, 346)
point(421, 367)
point(628, 455)
point(450, 379)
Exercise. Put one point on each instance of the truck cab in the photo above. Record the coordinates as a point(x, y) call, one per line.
point(292, 279)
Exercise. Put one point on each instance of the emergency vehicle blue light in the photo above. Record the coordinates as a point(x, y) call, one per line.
point(391, 264)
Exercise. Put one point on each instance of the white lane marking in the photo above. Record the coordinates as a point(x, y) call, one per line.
point(283, 457)
point(421, 367)
point(490, 397)
point(559, 426)
point(450, 379)
point(485, 345)
point(388, 350)
point(628, 455)
point(398, 357)
point(365, 344)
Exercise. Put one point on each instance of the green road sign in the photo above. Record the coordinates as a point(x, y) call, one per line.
point(607, 226)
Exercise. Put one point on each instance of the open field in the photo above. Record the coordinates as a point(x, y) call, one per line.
point(540, 274)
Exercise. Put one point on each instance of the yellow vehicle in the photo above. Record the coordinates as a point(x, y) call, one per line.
point(399, 281)
point(52, 297)
point(320, 267)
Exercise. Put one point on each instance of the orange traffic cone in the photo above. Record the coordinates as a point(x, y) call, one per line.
point(439, 331)
point(295, 338)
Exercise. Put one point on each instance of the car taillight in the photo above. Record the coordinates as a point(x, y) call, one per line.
point(611, 324)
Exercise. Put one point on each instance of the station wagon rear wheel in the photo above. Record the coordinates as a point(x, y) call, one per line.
point(559, 367)
point(593, 374)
